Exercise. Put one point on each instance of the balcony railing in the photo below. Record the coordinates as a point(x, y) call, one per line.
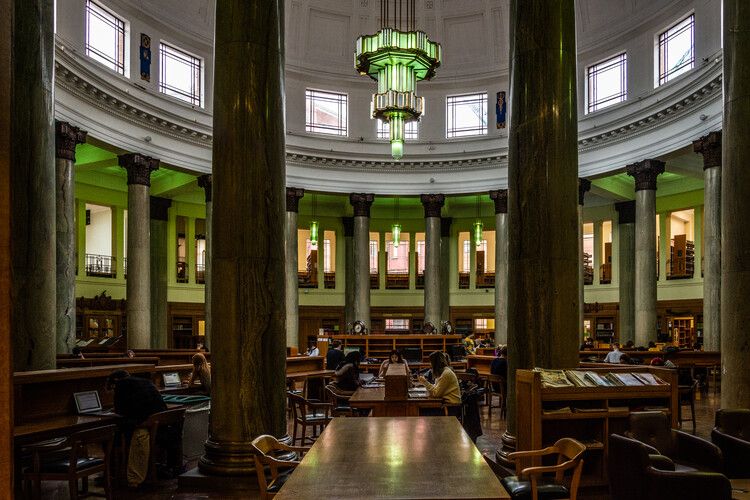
point(182, 271)
point(329, 280)
point(374, 280)
point(397, 281)
point(200, 274)
point(103, 266)
point(486, 280)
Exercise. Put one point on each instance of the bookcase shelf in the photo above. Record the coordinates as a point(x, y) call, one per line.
point(380, 345)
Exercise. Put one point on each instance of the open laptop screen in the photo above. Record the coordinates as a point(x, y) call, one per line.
point(172, 379)
point(87, 402)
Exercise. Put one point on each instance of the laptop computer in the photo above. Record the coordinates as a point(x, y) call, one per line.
point(172, 380)
point(88, 403)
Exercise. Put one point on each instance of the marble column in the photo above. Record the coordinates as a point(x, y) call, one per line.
point(248, 309)
point(645, 172)
point(348, 223)
point(626, 269)
point(159, 213)
point(66, 139)
point(362, 203)
point(542, 216)
point(206, 183)
point(584, 185)
point(138, 286)
point(445, 265)
point(293, 196)
point(735, 207)
point(500, 197)
point(433, 204)
point(32, 185)
point(710, 147)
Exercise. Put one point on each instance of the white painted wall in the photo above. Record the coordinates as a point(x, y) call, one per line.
point(99, 231)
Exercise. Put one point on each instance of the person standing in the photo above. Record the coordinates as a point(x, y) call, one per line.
point(335, 355)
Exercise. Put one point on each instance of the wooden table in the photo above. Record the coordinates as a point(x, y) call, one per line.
point(374, 398)
point(408, 458)
point(740, 489)
point(63, 425)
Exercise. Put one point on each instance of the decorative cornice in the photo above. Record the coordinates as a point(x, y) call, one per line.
point(626, 212)
point(710, 147)
point(160, 208)
point(348, 223)
point(584, 186)
point(361, 203)
point(432, 203)
point(66, 138)
point(293, 195)
point(500, 197)
point(445, 227)
point(206, 182)
point(645, 172)
point(139, 167)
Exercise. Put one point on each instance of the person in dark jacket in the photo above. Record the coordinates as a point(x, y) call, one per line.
point(499, 365)
point(334, 356)
point(347, 373)
point(136, 399)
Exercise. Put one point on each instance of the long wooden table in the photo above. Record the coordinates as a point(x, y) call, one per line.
point(374, 398)
point(408, 458)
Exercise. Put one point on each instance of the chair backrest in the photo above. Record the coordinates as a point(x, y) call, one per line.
point(627, 464)
point(264, 445)
point(570, 450)
point(652, 428)
point(299, 405)
point(335, 396)
point(735, 422)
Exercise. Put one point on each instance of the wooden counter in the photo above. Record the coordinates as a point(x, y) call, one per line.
point(100, 361)
point(683, 359)
point(404, 458)
point(481, 363)
point(380, 345)
point(374, 398)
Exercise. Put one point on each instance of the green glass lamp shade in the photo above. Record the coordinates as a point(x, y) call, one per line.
point(396, 230)
point(314, 232)
point(478, 235)
point(397, 60)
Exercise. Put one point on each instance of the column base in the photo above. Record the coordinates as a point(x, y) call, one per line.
point(508, 447)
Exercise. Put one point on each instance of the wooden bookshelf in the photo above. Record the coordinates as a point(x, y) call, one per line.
point(602, 411)
point(380, 345)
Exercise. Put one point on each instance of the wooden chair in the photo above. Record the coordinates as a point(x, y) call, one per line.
point(496, 386)
point(687, 397)
point(530, 483)
point(265, 447)
point(152, 425)
point(78, 464)
point(339, 402)
point(308, 413)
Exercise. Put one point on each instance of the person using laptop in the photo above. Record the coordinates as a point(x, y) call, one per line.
point(395, 357)
point(201, 372)
point(347, 373)
point(446, 383)
point(136, 399)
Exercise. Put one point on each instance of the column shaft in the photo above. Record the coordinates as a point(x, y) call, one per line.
point(247, 262)
point(645, 267)
point(138, 289)
point(433, 204)
point(159, 213)
point(735, 206)
point(500, 198)
point(626, 266)
point(32, 187)
point(66, 139)
point(205, 181)
point(291, 284)
point(542, 216)
point(361, 203)
point(712, 259)
point(445, 266)
point(348, 223)
point(584, 185)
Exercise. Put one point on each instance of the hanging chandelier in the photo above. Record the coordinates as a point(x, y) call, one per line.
point(396, 226)
point(397, 57)
point(478, 225)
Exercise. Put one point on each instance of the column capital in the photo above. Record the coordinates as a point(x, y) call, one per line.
point(584, 186)
point(645, 172)
point(710, 147)
point(445, 227)
point(500, 197)
point(361, 203)
point(348, 223)
point(66, 138)
point(293, 195)
point(206, 182)
point(139, 167)
point(160, 208)
point(432, 204)
point(625, 212)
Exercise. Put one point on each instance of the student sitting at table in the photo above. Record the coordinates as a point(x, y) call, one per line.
point(335, 355)
point(347, 373)
point(446, 383)
point(395, 357)
point(201, 372)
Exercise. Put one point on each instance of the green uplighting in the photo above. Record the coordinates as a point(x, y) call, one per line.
point(314, 232)
point(397, 60)
point(396, 230)
point(478, 235)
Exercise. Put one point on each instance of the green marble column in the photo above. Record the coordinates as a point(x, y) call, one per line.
point(206, 182)
point(500, 197)
point(361, 202)
point(626, 269)
point(433, 204)
point(247, 263)
point(293, 195)
point(735, 207)
point(66, 139)
point(542, 192)
point(159, 271)
point(348, 223)
point(32, 186)
point(445, 266)
point(584, 185)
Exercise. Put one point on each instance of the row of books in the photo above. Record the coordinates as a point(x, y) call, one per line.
point(581, 378)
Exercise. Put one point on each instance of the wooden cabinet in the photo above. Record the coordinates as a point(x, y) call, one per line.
point(588, 414)
point(100, 321)
point(380, 346)
point(187, 325)
point(600, 321)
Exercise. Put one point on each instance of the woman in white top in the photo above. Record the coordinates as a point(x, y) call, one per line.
point(446, 383)
point(395, 357)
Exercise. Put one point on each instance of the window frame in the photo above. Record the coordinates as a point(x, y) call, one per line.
point(383, 134)
point(662, 38)
point(455, 133)
point(592, 105)
point(343, 104)
point(120, 67)
point(191, 59)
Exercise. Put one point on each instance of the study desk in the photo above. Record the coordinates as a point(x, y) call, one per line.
point(740, 489)
point(407, 458)
point(63, 425)
point(374, 398)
